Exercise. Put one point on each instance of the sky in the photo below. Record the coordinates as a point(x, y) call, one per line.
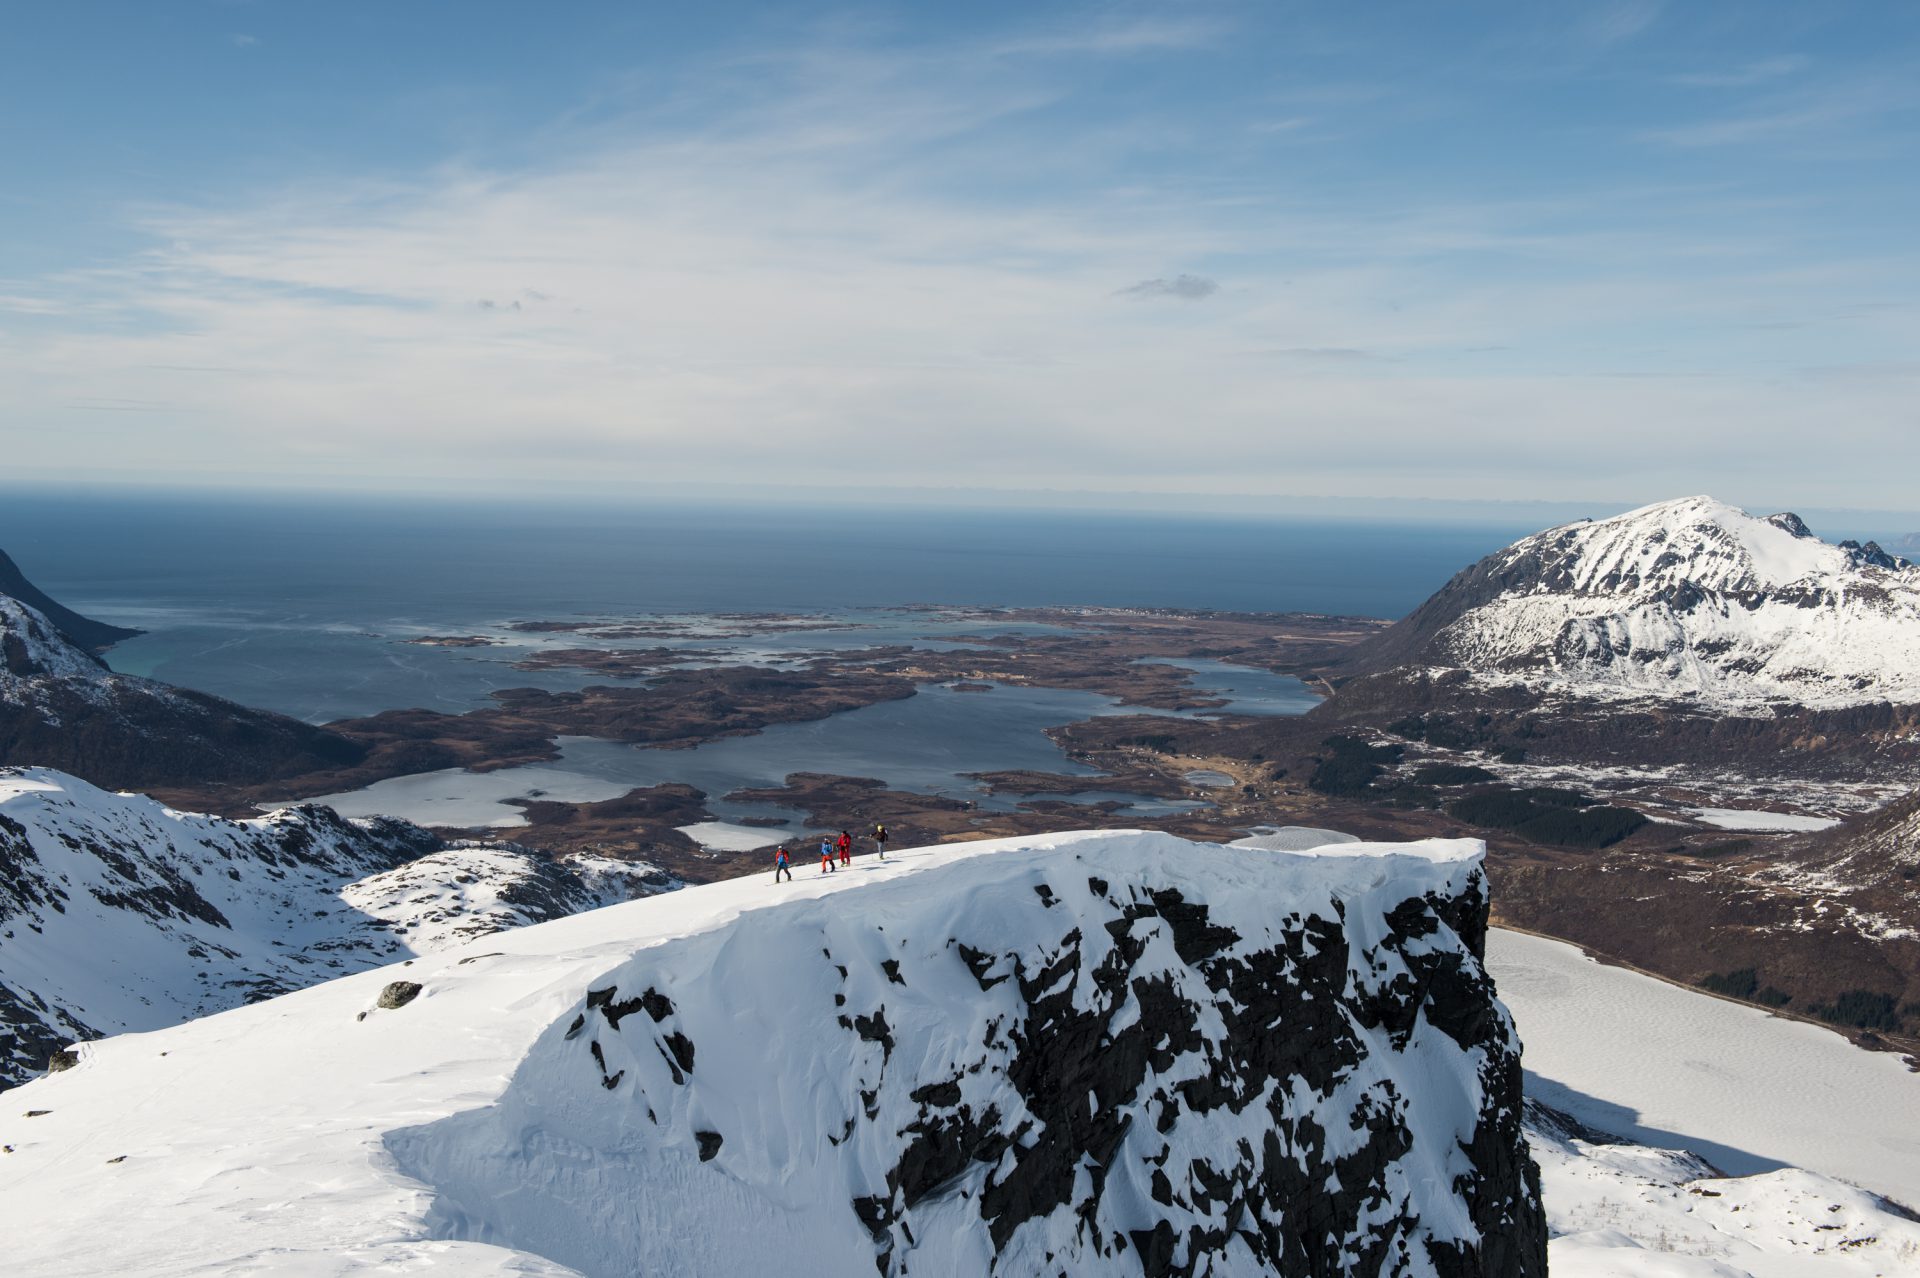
point(1608, 252)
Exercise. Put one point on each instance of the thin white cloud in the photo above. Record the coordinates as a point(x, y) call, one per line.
point(1742, 77)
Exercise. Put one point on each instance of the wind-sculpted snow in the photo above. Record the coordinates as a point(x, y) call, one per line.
point(1125, 1055)
point(118, 913)
point(1690, 600)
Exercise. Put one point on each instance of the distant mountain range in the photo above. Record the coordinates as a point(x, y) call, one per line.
point(118, 913)
point(62, 707)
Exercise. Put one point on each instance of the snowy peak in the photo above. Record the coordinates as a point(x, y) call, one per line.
point(118, 913)
point(1694, 543)
point(1690, 600)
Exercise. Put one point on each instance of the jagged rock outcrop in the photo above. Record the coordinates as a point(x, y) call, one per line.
point(118, 913)
point(95, 636)
point(1154, 1058)
point(62, 707)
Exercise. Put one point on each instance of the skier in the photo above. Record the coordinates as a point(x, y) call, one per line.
point(781, 865)
point(880, 840)
point(826, 855)
point(845, 844)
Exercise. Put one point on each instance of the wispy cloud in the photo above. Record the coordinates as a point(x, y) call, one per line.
point(1187, 288)
point(1109, 35)
point(871, 255)
point(1618, 21)
point(1800, 115)
point(1742, 77)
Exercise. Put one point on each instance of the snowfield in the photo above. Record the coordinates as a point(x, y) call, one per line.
point(318, 1133)
point(1758, 1096)
point(282, 1136)
point(1675, 1068)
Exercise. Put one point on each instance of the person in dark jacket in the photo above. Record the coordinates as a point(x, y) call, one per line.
point(880, 840)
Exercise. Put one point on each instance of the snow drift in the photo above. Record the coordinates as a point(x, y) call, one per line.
point(118, 913)
point(1118, 1054)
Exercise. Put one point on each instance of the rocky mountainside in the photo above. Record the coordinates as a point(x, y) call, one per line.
point(1089, 1054)
point(1688, 602)
point(61, 707)
point(95, 636)
point(117, 913)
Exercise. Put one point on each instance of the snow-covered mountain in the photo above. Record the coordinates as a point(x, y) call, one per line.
point(1088, 1054)
point(84, 631)
point(1689, 601)
point(61, 707)
point(118, 913)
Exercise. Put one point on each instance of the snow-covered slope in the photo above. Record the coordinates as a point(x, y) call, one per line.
point(1691, 600)
point(1620, 1210)
point(61, 707)
point(1105, 1053)
point(117, 913)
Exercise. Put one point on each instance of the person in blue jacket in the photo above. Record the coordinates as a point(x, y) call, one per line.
point(781, 865)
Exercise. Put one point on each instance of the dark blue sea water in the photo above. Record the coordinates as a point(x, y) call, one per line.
point(301, 604)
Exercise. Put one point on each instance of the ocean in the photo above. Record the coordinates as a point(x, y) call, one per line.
point(305, 606)
point(300, 604)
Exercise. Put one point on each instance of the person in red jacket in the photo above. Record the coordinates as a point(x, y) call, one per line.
point(781, 865)
point(845, 846)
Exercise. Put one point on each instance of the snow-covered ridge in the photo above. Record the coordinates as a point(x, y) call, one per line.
point(32, 649)
point(1695, 600)
point(118, 913)
point(1103, 1053)
point(61, 706)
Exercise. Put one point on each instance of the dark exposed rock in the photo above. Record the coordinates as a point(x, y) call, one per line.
point(710, 1143)
point(398, 994)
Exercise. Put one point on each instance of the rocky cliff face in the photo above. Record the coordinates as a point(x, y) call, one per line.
point(1135, 1056)
point(61, 707)
point(1690, 602)
point(117, 913)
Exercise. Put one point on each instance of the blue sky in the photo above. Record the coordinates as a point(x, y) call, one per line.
point(1496, 251)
